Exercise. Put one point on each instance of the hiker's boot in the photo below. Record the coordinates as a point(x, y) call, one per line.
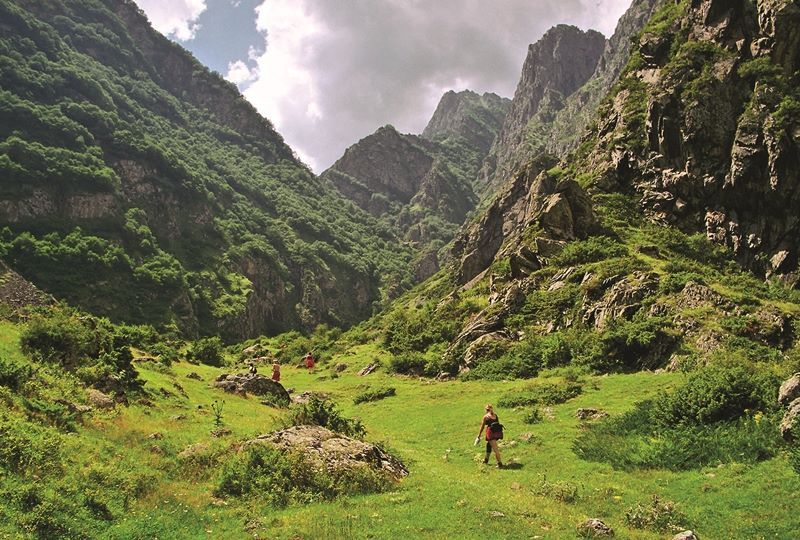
point(486, 459)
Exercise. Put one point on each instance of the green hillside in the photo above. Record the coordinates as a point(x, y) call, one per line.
point(139, 185)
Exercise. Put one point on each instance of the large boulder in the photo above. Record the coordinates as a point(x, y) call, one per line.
point(594, 528)
point(252, 383)
point(790, 390)
point(791, 421)
point(336, 453)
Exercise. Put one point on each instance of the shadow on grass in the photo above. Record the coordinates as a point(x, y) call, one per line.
point(513, 466)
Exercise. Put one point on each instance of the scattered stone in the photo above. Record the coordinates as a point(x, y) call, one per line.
point(686, 535)
point(142, 359)
point(155, 449)
point(593, 528)
point(304, 397)
point(590, 414)
point(527, 436)
point(220, 432)
point(790, 390)
point(193, 450)
point(496, 514)
point(180, 389)
point(155, 436)
point(178, 417)
point(195, 376)
point(75, 408)
point(252, 383)
point(99, 400)
point(337, 453)
point(338, 368)
point(368, 369)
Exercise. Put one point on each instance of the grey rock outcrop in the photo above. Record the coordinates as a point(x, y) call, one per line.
point(561, 208)
point(471, 117)
point(621, 301)
point(790, 390)
point(718, 156)
point(335, 453)
point(556, 65)
point(791, 421)
point(686, 535)
point(593, 528)
point(252, 383)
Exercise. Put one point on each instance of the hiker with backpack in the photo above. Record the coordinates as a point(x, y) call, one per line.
point(494, 432)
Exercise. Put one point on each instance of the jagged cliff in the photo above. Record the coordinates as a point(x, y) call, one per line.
point(704, 126)
point(422, 184)
point(137, 184)
point(556, 66)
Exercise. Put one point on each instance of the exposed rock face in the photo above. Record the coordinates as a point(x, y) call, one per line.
point(718, 157)
point(563, 132)
point(334, 452)
point(556, 65)
point(252, 383)
point(469, 116)
point(791, 421)
point(561, 208)
point(622, 300)
point(790, 390)
point(18, 293)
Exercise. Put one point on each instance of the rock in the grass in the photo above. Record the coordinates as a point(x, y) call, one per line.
point(252, 383)
point(686, 535)
point(193, 450)
point(589, 413)
point(156, 436)
point(304, 397)
point(337, 453)
point(195, 376)
point(99, 400)
point(791, 421)
point(790, 390)
point(368, 369)
point(594, 527)
point(220, 432)
point(338, 368)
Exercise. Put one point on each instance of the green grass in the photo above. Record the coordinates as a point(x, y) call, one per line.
point(431, 427)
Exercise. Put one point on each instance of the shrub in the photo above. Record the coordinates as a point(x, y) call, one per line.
point(60, 337)
point(534, 416)
point(207, 351)
point(28, 449)
point(544, 394)
point(279, 479)
point(167, 354)
point(561, 491)
point(656, 515)
point(628, 345)
point(324, 413)
point(13, 374)
point(409, 363)
point(593, 249)
point(374, 395)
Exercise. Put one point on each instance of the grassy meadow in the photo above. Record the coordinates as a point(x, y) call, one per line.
point(544, 492)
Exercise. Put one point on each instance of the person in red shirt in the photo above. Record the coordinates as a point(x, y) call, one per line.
point(309, 361)
point(276, 372)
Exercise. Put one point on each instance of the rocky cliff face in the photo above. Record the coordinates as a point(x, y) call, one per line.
point(704, 125)
point(556, 66)
point(423, 184)
point(561, 134)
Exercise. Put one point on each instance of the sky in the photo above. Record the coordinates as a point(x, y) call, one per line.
point(330, 72)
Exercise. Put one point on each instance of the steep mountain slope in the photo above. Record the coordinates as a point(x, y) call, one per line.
point(556, 66)
point(135, 183)
point(423, 184)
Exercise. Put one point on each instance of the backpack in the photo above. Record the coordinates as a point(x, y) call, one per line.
point(496, 430)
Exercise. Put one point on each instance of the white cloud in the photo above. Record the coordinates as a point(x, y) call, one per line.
point(174, 18)
point(330, 73)
point(239, 73)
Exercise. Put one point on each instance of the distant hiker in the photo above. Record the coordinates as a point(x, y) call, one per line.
point(253, 368)
point(494, 432)
point(276, 372)
point(309, 361)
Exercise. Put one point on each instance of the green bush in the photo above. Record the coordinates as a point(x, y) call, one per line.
point(279, 479)
point(656, 515)
point(374, 395)
point(408, 363)
point(28, 449)
point(627, 345)
point(562, 491)
point(542, 394)
point(593, 249)
point(319, 412)
point(61, 336)
point(207, 351)
point(167, 354)
point(719, 415)
point(13, 374)
point(533, 416)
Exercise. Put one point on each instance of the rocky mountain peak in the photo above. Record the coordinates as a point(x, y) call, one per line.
point(466, 114)
point(556, 66)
